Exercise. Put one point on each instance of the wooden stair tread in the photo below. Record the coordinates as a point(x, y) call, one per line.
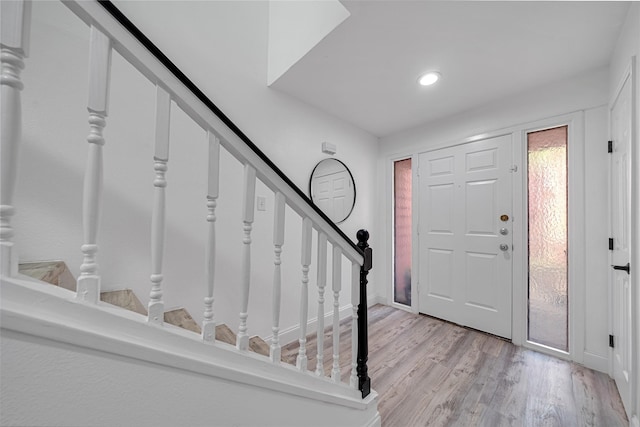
point(258, 345)
point(180, 317)
point(54, 272)
point(124, 298)
point(57, 273)
point(225, 334)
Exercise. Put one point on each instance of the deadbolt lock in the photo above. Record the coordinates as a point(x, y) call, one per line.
point(504, 218)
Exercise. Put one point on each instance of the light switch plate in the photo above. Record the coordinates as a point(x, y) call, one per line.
point(261, 203)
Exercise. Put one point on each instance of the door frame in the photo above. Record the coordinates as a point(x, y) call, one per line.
point(576, 225)
point(576, 235)
point(634, 257)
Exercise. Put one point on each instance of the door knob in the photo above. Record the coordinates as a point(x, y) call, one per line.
point(504, 231)
point(504, 247)
point(626, 268)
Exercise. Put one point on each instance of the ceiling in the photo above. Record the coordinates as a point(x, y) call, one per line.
point(366, 70)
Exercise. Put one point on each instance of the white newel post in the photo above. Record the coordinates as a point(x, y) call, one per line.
point(322, 283)
point(278, 241)
point(301, 361)
point(160, 160)
point(99, 76)
point(242, 341)
point(14, 42)
point(336, 287)
point(355, 300)
point(209, 322)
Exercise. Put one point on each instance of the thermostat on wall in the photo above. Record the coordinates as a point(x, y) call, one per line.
point(328, 148)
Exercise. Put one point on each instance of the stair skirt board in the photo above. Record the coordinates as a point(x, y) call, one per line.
point(60, 317)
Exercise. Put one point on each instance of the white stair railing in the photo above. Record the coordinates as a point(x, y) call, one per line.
point(88, 289)
point(322, 283)
point(110, 30)
point(336, 286)
point(209, 322)
point(160, 160)
point(278, 242)
point(247, 219)
point(14, 47)
point(301, 361)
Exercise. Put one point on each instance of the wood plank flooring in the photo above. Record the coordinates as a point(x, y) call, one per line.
point(428, 372)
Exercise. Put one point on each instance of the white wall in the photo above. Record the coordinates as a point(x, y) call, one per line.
point(587, 92)
point(47, 383)
point(222, 47)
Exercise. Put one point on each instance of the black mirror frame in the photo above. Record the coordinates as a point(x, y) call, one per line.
point(353, 181)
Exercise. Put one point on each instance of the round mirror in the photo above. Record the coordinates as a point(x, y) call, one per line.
point(332, 189)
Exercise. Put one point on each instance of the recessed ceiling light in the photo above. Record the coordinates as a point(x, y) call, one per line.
point(429, 78)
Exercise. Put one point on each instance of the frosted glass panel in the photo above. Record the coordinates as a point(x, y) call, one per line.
point(402, 231)
point(547, 174)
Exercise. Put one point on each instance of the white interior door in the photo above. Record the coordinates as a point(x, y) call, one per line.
point(621, 130)
point(465, 234)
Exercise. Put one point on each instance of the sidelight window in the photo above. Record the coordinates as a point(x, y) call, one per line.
point(402, 231)
point(548, 307)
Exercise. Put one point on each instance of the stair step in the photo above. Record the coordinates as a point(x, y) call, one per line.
point(258, 345)
point(225, 334)
point(124, 298)
point(180, 317)
point(57, 273)
point(54, 272)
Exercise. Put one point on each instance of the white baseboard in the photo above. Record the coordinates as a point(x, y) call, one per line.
point(595, 362)
point(376, 421)
point(375, 299)
point(292, 334)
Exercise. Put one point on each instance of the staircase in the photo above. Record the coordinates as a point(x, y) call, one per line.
point(79, 353)
point(57, 273)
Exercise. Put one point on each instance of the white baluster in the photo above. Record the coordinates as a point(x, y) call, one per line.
point(278, 241)
point(355, 300)
point(160, 159)
point(88, 289)
point(16, 20)
point(322, 283)
point(209, 323)
point(336, 287)
point(301, 362)
point(242, 341)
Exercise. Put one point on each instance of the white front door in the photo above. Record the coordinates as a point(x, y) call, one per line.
point(465, 233)
point(621, 130)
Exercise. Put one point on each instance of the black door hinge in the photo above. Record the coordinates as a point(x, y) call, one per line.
point(610, 147)
point(611, 344)
point(610, 243)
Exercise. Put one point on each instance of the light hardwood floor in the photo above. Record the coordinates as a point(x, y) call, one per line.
point(428, 372)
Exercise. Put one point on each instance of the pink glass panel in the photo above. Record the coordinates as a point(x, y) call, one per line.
point(402, 231)
point(547, 174)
